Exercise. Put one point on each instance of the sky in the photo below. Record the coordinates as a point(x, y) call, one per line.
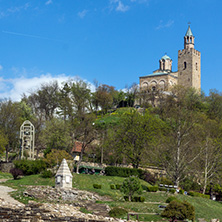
point(112, 42)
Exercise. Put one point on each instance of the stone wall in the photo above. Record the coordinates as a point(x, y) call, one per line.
point(6, 167)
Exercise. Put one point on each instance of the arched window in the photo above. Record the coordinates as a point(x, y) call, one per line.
point(196, 66)
point(184, 65)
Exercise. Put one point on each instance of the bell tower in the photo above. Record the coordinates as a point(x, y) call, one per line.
point(189, 69)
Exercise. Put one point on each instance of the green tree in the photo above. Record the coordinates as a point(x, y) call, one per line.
point(135, 136)
point(177, 210)
point(55, 157)
point(130, 186)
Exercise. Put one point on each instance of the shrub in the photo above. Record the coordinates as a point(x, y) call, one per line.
point(47, 174)
point(117, 212)
point(16, 173)
point(118, 186)
point(169, 199)
point(97, 186)
point(130, 186)
point(112, 186)
point(196, 194)
point(181, 191)
point(148, 177)
point(165, 181)
point(123, 172)
point(190, 184)
point(138, 199)
point(172, 190)
point(30, 167)
point(177, 210)
point(162, 189)
point(152, 189)
point(144, 187)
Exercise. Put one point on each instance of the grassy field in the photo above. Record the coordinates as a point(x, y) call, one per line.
point(5, 175)
point(204, 208)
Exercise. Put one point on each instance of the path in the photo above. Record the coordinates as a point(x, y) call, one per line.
point(4, 196)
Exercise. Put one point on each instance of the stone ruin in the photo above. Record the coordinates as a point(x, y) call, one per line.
point(63, 177)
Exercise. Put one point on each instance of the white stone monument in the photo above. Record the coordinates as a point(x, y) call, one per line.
point(63, 177)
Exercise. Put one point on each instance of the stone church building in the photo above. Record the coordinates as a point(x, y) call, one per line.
point(189, 69)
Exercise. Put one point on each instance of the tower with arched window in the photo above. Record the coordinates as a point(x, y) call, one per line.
point(189, 69)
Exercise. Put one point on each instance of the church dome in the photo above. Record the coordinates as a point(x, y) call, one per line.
point(166, 57)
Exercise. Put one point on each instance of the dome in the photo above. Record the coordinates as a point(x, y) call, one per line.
point(166, 57)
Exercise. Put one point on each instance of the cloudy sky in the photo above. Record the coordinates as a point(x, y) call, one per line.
point(111, 41)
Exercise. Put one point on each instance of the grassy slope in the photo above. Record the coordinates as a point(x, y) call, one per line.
point(204, 208)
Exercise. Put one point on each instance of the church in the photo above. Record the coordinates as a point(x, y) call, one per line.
point(187, 75)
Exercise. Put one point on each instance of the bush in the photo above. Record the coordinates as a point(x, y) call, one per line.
point(16, 173)
point(190, 184)
point(130, 186)
point(181, 191)
point(117, 212)
point(172, 190)
point(162, 189)
point(30, 167)
point(177, 210)
point(169, 199)
point(138, 199)
point(196, 194)
point(97, 186)
point(123, 172)
point(112, 186)
point(166, 181)
point(149, 178)
point(118, 186)
point(152, 189)
point(47, 174)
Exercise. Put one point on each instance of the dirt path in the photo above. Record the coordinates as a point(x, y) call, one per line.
point(4, 195)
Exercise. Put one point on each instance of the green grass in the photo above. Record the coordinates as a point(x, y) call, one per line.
point(204, 208)
point(5, 175)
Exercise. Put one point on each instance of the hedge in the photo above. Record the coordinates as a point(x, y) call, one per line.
point(123, 172)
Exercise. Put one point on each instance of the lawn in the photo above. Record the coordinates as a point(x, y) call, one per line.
point(204, 208)
point(5, 175)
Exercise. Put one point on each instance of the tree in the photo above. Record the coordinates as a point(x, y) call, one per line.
point(180, 146)
point(210, 160)
point(56, 135)
point(10, 122)
point(3, 142)
point(55, 157)
point(103, 97)
point(135, 136)
point(177, 210)
point(130, 186)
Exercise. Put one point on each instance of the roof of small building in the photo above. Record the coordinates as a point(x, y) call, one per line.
point(189, 32)
point(63, 169)
point(166, 57)
point(157, 74)
point(77, 147)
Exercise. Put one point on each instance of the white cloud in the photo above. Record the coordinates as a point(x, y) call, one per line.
point(82, 14)
point(13, 10)
point(48, 2)
point(162, 25)
point(119, 6)
point(15, 88)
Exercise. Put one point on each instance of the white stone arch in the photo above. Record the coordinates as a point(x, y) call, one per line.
point(145, 84)
point(153, 84)
point(162, 84)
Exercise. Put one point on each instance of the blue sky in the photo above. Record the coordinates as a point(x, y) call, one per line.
point(112, 41)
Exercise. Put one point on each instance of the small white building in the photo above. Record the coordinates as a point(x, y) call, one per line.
point(63, 177)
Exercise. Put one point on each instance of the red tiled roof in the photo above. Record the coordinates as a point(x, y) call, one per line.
point(77, 147)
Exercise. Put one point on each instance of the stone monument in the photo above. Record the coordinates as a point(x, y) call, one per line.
point(63, 177)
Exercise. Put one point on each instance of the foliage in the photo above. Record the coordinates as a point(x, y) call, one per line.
point(16, 173)
point(55, 157)
point(112, 186)
point(171, 198)
point(149, 177)
point(189, 183)
point(177, 210)
point(30, 167)
point(165, 181)
point(152, 188)
point(97, 186)
point(117, 212)
point(196, 194)
point(47, 174)
point(130, 186)
point(118, 186)
point(181, 191)
point(3, 142)
point(123, 171)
